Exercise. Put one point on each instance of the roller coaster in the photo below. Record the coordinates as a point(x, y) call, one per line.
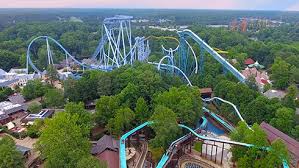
point(172, 148)
point(116, 48)
point(112, 50)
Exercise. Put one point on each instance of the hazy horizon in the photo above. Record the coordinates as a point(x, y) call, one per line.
point(266, 5)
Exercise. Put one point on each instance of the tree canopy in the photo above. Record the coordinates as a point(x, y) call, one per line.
point(280, 73)
point(284, 120)
point(121, 122)
point(62, 142)
point(261, 154)
point(165, 127)
point(184, 101)
point(34, 89)
point(54, 98)
point(9, 155)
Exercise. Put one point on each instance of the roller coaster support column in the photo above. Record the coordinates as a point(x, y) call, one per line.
point(201, 60)
point(183, 54)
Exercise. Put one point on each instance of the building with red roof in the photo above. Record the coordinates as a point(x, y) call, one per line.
point(107, 149)
point(261, 77)
point(249, 61)
point(206, 92)
point(292, 145)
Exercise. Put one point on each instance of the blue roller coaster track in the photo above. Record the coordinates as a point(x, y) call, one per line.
point(166, 156)
point(111, 53)
point(204, 47)
point(112, 50)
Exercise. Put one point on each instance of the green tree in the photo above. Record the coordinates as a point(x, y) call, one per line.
point(280, 73)
point(70, 90)
point(129, 95)
point(52, 74)
point(277, 154)
point(142, 111)
point(85, 119)
point(9, 156)
point(121, 122)
point(34, 131)
point(91, 162)
point(8, 60)
point(84, 89)
point(54, 98)
point(105, 84)
point(261, 109)
point(34, 107)
point(258, 155)
point(295, 132)
point(284, 120)
point(289, 99)
point(165, 127)
point(106, 107)
point(294, 74)
point(255, 136)
point(34, 89)
point(62, 142)
point(237, 93)
point(184, 101)
point(4, 93)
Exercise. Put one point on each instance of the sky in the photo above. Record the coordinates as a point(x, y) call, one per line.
point(165, 4)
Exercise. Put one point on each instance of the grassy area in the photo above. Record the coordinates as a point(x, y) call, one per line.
point(198, 146)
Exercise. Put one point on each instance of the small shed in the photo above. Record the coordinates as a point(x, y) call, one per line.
point(24, 150)
point(249, 61)
point(206, 92)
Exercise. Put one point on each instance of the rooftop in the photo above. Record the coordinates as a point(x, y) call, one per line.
point(23, 149)
point(249, 61)
point(206, 90)
point(16, 98)
point(273, 134)
point(6, 105)
point(106, 142)
point(41, 115)
point(275, 94)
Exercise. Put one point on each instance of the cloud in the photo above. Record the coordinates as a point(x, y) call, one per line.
point(197, 4)
point(193, 4)
point(294, 7)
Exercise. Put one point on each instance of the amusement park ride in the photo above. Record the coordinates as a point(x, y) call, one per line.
point(116, 48)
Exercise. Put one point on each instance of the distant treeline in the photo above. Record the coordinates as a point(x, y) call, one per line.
point(179, 17)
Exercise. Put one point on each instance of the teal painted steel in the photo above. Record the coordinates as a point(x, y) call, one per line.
point(214, 54)
point(122, 143)
point(222, 122)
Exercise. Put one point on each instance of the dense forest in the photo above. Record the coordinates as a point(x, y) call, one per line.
point(81, 39)
point(179, 17)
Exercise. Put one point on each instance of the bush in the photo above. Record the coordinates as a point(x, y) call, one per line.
point(33, 132)
point(17, 135)
point(34, 107)
point(198, 146)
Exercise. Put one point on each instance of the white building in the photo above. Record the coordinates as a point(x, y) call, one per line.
point(15, 77)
